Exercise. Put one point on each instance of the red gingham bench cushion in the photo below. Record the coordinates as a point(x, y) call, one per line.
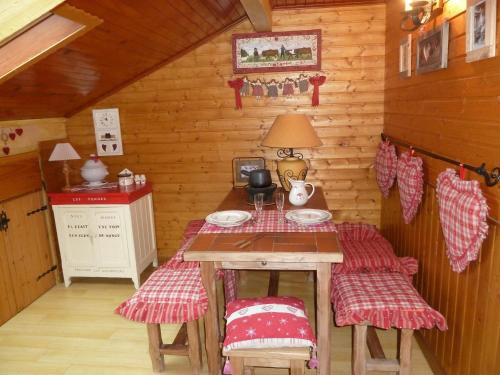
point(366, 250)
point(382, 300)
point(168, 296)
point(267, 322)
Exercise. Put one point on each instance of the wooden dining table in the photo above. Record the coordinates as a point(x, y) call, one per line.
point(282, 251)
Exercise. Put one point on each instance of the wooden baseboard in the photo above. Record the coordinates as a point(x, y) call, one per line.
point(433, 362)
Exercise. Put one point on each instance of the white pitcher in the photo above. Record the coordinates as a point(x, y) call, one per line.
point(298, 194)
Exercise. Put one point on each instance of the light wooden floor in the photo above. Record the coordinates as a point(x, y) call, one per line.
point(73, 331)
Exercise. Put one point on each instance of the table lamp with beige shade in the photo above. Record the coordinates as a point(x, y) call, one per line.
point(64, 152)
point(290, 131)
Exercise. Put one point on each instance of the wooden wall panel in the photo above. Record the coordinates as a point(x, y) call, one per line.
point(180, 127)
point(453, 112)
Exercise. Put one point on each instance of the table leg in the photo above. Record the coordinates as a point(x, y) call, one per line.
point(211, 319)
point(324, 316)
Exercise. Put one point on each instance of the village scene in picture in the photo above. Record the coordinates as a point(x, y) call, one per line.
point(273, 49)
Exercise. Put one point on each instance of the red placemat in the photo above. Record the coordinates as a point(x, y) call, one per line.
point(269, 223)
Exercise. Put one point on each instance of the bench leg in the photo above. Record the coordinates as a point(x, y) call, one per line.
point(359, 350)
point(297, 367)
point(155, 343)
point(405, 352)
point(237, 366)
point(194, 346)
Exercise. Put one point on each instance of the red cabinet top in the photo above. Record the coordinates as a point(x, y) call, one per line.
point(116, 195)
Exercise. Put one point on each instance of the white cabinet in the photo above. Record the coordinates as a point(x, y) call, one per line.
point(105, 240)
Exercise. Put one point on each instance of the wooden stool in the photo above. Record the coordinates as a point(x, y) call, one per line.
point(186, 343)
point(292, 358)
point(378, 362)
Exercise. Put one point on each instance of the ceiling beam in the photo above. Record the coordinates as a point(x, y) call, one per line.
point(259, 13)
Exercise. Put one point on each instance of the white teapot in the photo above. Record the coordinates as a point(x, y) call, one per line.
point(298, 194)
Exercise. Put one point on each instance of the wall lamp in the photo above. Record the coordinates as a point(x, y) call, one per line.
point(418, 13)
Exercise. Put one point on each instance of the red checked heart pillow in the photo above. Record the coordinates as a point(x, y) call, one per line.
point(385, 167)
point(267, 322)
point(411, 184)
point(462, 211)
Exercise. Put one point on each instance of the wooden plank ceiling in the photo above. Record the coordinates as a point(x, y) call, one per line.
point(134, 39)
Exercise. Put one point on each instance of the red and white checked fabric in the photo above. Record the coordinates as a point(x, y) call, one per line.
point(366, 250)
point(382, 300)
point(357, 232)
point(385, 167)
point(267, 322)
point(411, 184)
point(463, 211)
point(177, 262)
point(168, 296)
point(268, 222)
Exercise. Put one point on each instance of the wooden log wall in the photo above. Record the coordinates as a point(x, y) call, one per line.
point(452, 112)
point(180, 127)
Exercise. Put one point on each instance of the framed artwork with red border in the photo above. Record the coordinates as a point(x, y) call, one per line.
point(277, 51)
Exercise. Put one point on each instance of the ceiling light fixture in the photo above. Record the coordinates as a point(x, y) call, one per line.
point(419, 13)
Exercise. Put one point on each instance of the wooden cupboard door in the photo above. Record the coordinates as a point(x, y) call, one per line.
point(27, 248)
point(7, 299)
point(110, 237)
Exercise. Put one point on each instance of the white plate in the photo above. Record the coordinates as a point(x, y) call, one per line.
point(231, 218)
point(308, 216)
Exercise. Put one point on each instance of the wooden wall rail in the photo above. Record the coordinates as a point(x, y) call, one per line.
point(452, 112)
point(180, 127)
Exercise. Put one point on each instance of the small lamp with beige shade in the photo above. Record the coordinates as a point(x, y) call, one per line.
point(64, 152)
point(290, 131)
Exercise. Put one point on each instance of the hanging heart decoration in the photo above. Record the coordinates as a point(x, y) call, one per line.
point(462, 212)
point(19, 131)
point(410, 177)
point(6, 150)
point(385, 167)
point(12, 136)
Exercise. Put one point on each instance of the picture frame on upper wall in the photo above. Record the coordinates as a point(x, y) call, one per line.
point(405, 57)
point(480, 30)
point(432, 49)
point(283, 51)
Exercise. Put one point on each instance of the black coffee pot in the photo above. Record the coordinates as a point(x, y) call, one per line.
point(258, 178)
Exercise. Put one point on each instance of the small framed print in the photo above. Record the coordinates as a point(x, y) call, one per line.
point(245, 164)
point(108, 137)
point(480, 34)
point(432, 49)
point(405, 57)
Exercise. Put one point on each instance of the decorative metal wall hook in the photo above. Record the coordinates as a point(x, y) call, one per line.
point(491, 178)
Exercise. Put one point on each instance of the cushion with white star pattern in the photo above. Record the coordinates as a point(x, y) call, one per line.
point(267, 322)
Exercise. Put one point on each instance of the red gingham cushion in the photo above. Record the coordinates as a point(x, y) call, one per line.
point(462, 211)
point(411, 184)
point(168, 296)
point(366, 250)
point(267, 322)
point(385, 167)
point(382, 300)
point(192, 228)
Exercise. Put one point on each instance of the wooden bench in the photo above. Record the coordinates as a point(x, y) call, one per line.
point(383, 300)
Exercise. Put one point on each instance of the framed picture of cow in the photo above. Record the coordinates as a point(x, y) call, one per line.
point(277, 51)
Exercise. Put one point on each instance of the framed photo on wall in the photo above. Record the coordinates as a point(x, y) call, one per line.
point(432, 49)
point(277, 51)
point(480, 30)
point(245, 164)
point(405, 57)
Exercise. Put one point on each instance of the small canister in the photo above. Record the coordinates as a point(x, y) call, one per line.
point(125, 178)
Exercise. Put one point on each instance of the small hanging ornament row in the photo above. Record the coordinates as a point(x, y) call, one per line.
point(9, 134)
point(271, 89)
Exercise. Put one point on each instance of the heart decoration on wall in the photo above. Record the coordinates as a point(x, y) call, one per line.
point(462, 212)
point(6, 150)
point(12, 135)
point(410, 177)
point(385, 167)
point(19, 131)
